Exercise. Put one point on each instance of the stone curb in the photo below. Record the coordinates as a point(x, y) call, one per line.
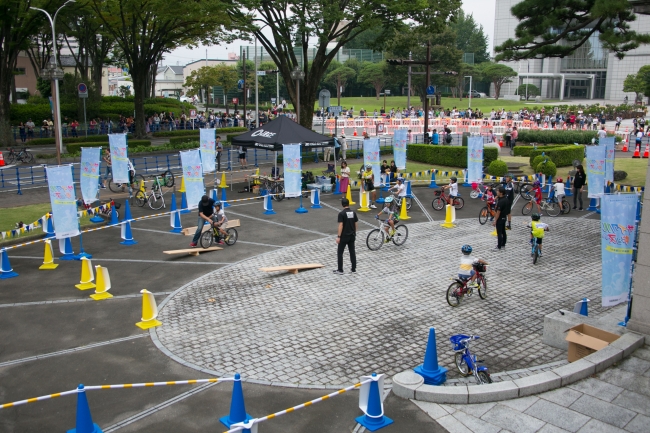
point(410, 385)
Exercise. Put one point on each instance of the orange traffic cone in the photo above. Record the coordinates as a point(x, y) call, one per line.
point(2, 160)
point(355, 132)
point(646, 152)
point(637, 153)
point(627, 138)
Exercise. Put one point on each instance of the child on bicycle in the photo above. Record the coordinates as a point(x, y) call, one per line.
point(537, 195)
point(490, 200)
point(559, 192)
point(219, 220)
point(537, 230)
point(400, 188)
point(453, 189)
point(466, 270)
point(393, 217)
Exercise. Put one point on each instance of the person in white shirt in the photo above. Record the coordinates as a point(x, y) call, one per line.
point(453, 189)
point(400, 188)
point(602, 133)
point(559, 192)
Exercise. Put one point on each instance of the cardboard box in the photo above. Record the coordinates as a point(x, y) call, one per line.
point(256, 189)
point(585, 340)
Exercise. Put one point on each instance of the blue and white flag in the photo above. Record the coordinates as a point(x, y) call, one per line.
point(207, 142)
point(119, 158)
point(292, 170)
point(62, 198)
point(617, 232)
point(596, 171)
point(610, 146)
point(399, 148)
point(371, 156)
point(89, 173)
point(193, 177)
point(474, 159)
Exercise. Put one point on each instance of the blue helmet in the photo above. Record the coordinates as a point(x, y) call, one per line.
point(388, 200)
point(217, 203)
point(466, 249)
point(400, 178)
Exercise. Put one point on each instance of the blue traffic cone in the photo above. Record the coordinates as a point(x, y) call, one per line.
point(127, 212)
point(224, 200)
point(6, 271)
point(466, 184)
point(372, 406)
point(301, 209)
point(82, 253)
point(184, 208)
point(174, 207)
point(593, 204)
point(68, 254)
point(432, 373)
point(316, 204)
point(581, 307)
point(409, 193)
point(178, 228)
point(268, 205)
point(337, 187)
point(567, 187)
point(84, 422)
point(114, 220)
point(433, 183)
point(50, 228)
point(237, 407)
point(214, 195)
point(127, 235)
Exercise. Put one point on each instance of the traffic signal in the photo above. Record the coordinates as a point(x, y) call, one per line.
point(451, 73)
point(395, 62)
point(272, 71)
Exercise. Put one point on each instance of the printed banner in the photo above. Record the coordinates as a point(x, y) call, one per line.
point(371, 156)
point(595, 171)
point(610, 156)
point(119, 158)
point(193, 177)
point(208, 154)
point(474, 159)
point(617, 231)
point(90, 157)
point(292, 170)
point(62, 198)
point(399, 148)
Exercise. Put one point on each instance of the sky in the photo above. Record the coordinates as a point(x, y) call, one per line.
point(483, 11)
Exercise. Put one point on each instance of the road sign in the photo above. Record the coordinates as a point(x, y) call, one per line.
point(192, 114)
point(324, 98)
point(83, 90)
point(273, 101)
point(261, 73)
point(431, 90)
point(240, 84)
point(235, 101)
point(387, 92)
point(335, 109)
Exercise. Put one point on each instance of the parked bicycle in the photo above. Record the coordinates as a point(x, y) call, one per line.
point(466, 363)
point(155, 198)
point(460, 287)
point(377, 237)
point(23, 156)
point(441, 199)
point(550, 206)
point(123, 187)
point(215, 235)
point(274, 187)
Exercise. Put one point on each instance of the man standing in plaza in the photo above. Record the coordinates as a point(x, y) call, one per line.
point(510, 195)
point(503, 210)
point(346, 235)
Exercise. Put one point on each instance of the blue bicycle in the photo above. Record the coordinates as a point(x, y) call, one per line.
point(535, 252)
point(466, 363)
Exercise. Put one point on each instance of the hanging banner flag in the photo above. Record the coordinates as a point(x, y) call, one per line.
point(610, 145)
point(207, 142)
point(474, 159)
point(617, 232)
point(292, 170)
point(89, 173)
point(62, 198)
point(192, 177)
point(119, 158)
point(399, 148)
point(371, 156)
point(595, 171)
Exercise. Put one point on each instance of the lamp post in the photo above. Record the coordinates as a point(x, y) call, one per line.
point(470, 90)
point(54, 73)
point(297, 74)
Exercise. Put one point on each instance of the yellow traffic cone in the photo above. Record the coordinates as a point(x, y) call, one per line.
point(222, 184)
point(48, 259)
point(142, 187)
point(149, 311)
point(103, 284)
point(182, 189)
point(403, 215)
point(348, 195)
point(494, 233)
point(450, 217)
point(87, 275)
point(363, 198)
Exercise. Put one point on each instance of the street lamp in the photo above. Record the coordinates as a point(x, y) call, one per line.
point(54, 73)
point(470, 90)
point(297, 74)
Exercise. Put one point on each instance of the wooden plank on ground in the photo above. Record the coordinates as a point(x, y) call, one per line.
point(293, 269)
point(191, 230)
point(192, 251)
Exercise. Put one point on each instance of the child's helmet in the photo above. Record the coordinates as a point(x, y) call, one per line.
point(454, 178)
point(466, 249)
point(536, 183)
point(388, 200)
point(368, 167)
point(217, 203)
point(535, 217)
point(401, 179)
point(559, 180)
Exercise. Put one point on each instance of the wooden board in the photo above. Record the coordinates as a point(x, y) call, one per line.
point(293, 269)
point(192, 251)
point(191, 230)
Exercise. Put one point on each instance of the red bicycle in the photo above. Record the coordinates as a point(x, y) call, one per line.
point(441, 199)
point(460, 287)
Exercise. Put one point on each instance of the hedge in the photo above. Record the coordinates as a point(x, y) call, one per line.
point(76, 147)
point(556, 137)
point(180, 140)
point(525, 150)
point(450, 156)
point(70, 140)
point(185, 132)
point(561, 156)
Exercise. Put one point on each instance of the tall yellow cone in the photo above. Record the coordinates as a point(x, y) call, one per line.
point(182, 189)
point(142, 187)
point(103, 284)
point(403, 215)
point(48, 259)
point(348, 195)
point(222, 184)
point(363, 198)
point(149, 311)
point(450, 217)
point(87, 275)
point(494, 233)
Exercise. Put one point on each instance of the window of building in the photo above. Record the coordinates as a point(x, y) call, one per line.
point(20, 71)
point(591, 55)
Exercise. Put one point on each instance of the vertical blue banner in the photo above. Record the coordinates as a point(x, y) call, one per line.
point(292, 170)
point(371, 156)
point(193, 177)
point(62, 198)
point(595, 171)
point(610, 159)
point(89, 173)
point(206, 143)
point(474, 159)
point(617, 232)
point(399, 149)
point(119, 158)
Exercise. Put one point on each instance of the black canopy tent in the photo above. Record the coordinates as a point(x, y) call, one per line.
point(279, 131)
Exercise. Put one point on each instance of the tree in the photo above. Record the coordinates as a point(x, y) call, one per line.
point(226, 77)
point(498, 74)
point(339, 77)
point(200, 81)
point(366, 40)
point(528, 91)
point(644, 75)
point(464, 70)
point(470, 37)
point(375, 75)
point(634, 83)
point(545, 25)
point(145, 29)
point(332, 25)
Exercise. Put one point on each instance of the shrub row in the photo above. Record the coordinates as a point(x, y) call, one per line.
point(184, 132)
point(450, 156)
point(76, 147)
point(556, 137)
point(525, 150)
point(561, 156)
point(71, 140)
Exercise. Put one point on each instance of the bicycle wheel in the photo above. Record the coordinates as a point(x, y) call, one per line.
point(400, 236)
point(232, 237)
point(459, 203)
point(552, 209)
point(515, 187)
point(483, 215)
point(375, 239)
point(461, 365)
point(207, 237)
point(137, 180)
point(278, 191)
point(156, 201)
point(526, 191)
point(535, 254)
point(140, 198)
point(115, 187)
point(482, 286)
point(11, 157)
point(455, 294)
point(566, 208)
point(474, 194)
point(438, 203)
point(168, 179)
point(484, 377)
point(29, 157)
point(409, 203)
point(527, 209)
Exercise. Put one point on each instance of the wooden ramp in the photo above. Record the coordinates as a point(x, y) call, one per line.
point(192, 251)
point(293, 269)
point(191, 230)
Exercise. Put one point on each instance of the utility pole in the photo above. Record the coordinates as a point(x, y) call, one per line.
point(426, 99)
point(408, 97)
point(244, 69)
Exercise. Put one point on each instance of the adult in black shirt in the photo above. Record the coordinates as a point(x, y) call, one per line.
point(206, 209)
point(510, 195)
point(503, 210)
point(346, 235)
point(579, 181)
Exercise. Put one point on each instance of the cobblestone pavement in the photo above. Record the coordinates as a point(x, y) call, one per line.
point(319, 329)
point(616, 400)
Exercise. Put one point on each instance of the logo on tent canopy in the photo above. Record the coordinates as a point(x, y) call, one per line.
point(263, 133)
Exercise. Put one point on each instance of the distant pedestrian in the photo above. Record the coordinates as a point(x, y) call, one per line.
point(503, 210)
point(579, 180)
point(23, 132)
point(346, 235)
point(219, 148)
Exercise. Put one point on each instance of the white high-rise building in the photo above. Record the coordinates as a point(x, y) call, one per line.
point(591, 72)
